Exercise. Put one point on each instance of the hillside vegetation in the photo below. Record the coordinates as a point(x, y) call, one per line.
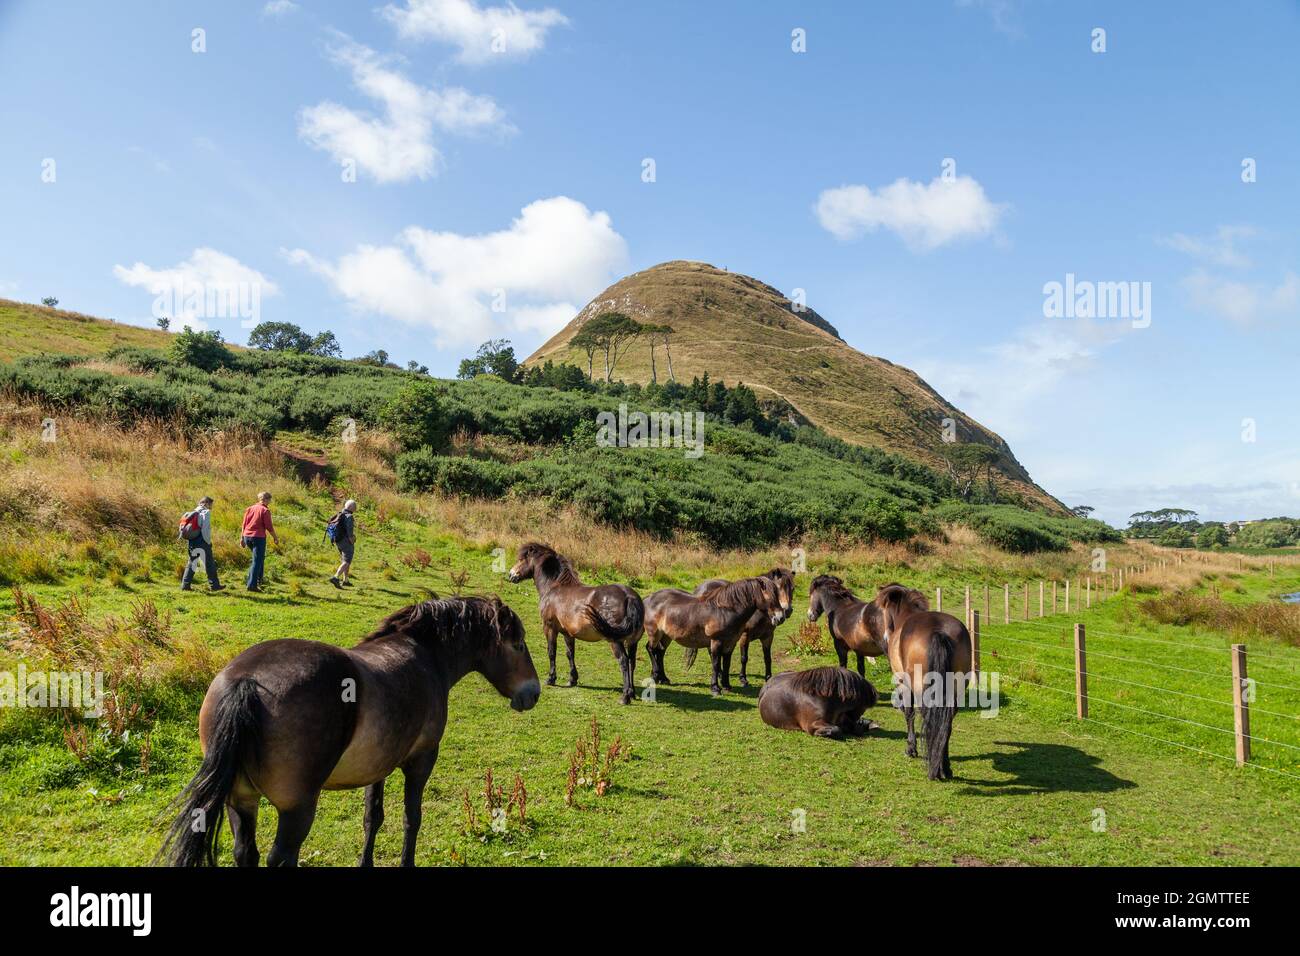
point(740, 329)
point(485, 438)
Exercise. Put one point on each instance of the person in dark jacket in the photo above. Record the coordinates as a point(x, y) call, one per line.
point(345, 539)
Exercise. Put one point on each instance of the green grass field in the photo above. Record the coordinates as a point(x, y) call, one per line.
point(707, 782)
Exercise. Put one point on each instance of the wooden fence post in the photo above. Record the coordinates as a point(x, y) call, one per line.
point(1026, 600)
point(1006, 604)
point(988, 612)
point(1067, 595)
point(1089, 593)
point(1042, 594)
point(1080, 673)
point(1053, 597)
point(975, 641)
point(968, 603)
point(1240, 706)
point(938, 599)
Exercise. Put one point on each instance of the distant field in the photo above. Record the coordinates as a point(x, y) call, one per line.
point(27, 329)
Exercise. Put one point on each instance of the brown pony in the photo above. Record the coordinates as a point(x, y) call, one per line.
point(854, 625)
point(930, 653)
point(287, 719)
point(610, 612)
point(822, 701)
point(759, 627)
point(714, 620)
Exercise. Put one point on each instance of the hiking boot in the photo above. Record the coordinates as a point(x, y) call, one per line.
point(255, 590)
point(347, 584)
point(186, 587)
point(336, 583)
point(217, 587)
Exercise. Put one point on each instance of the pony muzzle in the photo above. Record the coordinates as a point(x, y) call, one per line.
point(525, 697)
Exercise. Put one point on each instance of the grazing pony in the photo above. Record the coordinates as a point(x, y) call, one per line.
point(760, 626)
point(287, 719)
point(854, 625)
point(822, 701)
point(930, 653)
point(714, 620)
point(610, 612)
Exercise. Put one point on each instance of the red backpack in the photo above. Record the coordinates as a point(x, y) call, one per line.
point(189, 528)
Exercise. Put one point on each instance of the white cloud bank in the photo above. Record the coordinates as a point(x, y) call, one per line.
point(482, 33)
point(1239, 301)
point(209, 285)
point(556, 255)
point(924, 216)
point(398, 145)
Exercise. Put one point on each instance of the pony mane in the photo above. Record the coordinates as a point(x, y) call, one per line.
point(738, 594)
point(832, 585)
point(895, 593)
point(563, 572)
point(443, 620)
point(783, 578)
point(836, 682)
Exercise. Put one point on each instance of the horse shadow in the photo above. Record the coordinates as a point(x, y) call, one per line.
point(1043, 768)
point(701, 702)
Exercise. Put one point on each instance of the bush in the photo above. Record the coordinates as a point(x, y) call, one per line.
point(424, 470)
point(416, 417)
point(205, 350)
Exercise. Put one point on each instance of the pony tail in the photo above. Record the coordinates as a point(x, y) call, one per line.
point(236, 734)
point(937, 721)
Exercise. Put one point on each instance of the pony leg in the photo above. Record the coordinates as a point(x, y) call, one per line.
point(715, 656)
point(374, 820)
point(744, 662)
point(550, 655)
point(291, 831)
point(909, 711)
point(842, 650)
point(767, 658)
point(416, 773)
point(820, 728)
point(243, 827)
point(573, 667)
point(625, 668)
point(657, 663)
point(726, 671)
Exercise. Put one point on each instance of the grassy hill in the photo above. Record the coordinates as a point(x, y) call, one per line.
point(27, 329)
point(737, 328)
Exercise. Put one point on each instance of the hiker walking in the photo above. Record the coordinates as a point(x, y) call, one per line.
point(342, 530)
point(257, 525)
point(196, 532)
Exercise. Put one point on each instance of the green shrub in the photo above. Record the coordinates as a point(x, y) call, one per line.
point(416, 417)
point(205, 350)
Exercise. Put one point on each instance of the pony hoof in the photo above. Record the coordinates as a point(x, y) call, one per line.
point(911, 753)
point(550, 681)
point(573, 682)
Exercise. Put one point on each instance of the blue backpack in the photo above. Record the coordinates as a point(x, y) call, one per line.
point(336, 530)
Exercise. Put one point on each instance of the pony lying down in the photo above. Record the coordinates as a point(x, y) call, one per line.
point(822, 701)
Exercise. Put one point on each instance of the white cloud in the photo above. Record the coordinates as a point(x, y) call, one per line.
point(208, 285)
point(1005, 15)
point(1219, 249)
point(556, 253)
point(925, 216)
point(482, 33)
point(1242, 302)
point(398, 145)
point(279, 8)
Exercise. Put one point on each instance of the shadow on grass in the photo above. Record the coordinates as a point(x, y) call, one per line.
point(1043, 768)
point(699, 701)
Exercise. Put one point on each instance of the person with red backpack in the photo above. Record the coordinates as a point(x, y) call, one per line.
point(196, 531)
point(342, 531)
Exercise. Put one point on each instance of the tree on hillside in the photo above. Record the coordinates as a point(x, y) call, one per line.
point(1212, 536)
point(656, 334)
point(494, 357)
point(414, 366)
point(164, 323)
point(49, 301)
point(586, 342)
point(1082, 511)
point(613, 334)
point(287, 337)
point(966, 461)
point(416, 417)
point(205, 350)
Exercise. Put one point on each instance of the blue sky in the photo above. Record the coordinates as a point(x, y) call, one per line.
point(499, 155)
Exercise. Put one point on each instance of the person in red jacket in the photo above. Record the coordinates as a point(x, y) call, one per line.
point(257, 525)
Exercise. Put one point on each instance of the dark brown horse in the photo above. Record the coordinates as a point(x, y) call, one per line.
point(714, 620)
point(930, 654)
point(759, 627)
point(287, 719)
point(822, 701)
point(610, 612)
point(857, 626)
